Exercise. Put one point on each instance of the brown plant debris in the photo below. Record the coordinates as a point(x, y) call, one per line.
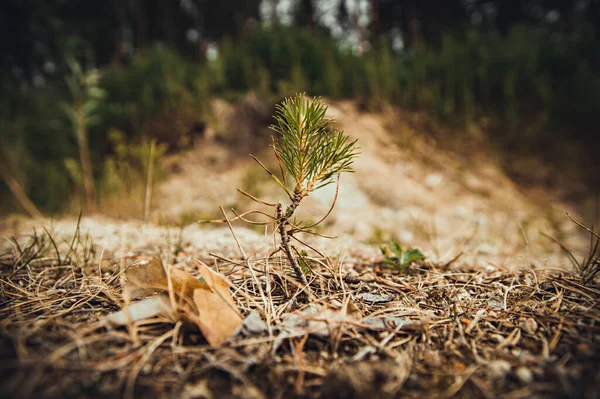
point(428, 332)
point(204, 301)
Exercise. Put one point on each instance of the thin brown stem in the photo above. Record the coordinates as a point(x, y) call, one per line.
point(308, 246)
point(272, 175)
point(285, 243)
point(278, 161)
point(592, 232)
point(253, 198)
point(254, 222)
point(238, 217)
point(298, 195)
point(233, 233)
point(298, 229)
point(337, 189)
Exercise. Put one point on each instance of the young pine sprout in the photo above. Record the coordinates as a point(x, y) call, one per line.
point(310, 151)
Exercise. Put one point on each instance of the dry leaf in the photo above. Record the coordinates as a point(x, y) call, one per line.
point(218, 314)
point(151, 277)
point(205, 302)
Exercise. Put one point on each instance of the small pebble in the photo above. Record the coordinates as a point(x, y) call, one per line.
point(498, 368)
point(433, 359)
point(524, 375)
point(529, 325)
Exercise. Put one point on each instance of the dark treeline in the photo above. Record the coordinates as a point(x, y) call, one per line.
point(87, 85)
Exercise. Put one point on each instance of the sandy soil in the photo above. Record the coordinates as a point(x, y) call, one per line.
point(405, 188)
point(490, 324)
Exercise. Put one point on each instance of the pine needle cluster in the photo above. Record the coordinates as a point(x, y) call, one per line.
point(311, 151)
point(308, 146)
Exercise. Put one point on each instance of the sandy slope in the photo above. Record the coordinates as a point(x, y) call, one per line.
point(403, 188)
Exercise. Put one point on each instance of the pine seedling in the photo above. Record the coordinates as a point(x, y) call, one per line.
point(312, 153)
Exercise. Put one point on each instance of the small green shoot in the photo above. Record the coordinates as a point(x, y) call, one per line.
point(400, 259)
point(312, 153)
point(302, 262)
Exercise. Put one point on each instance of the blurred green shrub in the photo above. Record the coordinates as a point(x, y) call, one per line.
point(530, 86)
point(295, 59)
point(82, 110)
point(125, 172)
point(156, 95)
point(529, 72)
point(35, 137)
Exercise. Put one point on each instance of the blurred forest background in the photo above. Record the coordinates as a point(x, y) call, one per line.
point(91, 90)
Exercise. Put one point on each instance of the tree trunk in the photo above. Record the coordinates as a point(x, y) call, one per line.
point(86, 162)
point(149, 179)
point(19, 193)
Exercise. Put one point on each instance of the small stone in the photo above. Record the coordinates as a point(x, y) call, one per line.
point(524, 375)
point(529, 325)
point(433, 359)
point(498, 368)
point(489, 268)
point(375, 298)
point(433, 179)
point(495, 303)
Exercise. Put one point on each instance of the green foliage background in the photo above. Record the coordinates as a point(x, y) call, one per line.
point(534, 88)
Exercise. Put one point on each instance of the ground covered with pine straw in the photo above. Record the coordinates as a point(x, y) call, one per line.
point(365, 330)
